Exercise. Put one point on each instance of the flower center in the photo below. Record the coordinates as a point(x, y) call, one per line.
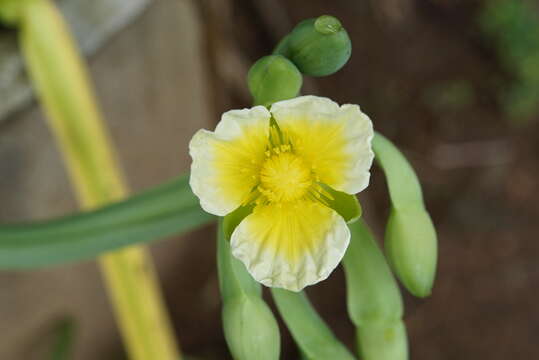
point(284, 176)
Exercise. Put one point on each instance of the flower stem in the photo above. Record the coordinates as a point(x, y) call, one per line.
point(62, 85)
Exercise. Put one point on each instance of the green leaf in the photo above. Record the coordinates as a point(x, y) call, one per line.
point(411, 243)
point(163, 211)
point(373, 296)
point(310, 332)
point(250, 328)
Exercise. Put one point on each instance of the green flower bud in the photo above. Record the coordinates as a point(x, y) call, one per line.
point(273, 78)
point(251, 331)
point(318, 47)
point(373, 296)
point(383, 341)
point(412, 249)
point(411, 243)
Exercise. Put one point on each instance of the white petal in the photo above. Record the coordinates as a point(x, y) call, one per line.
point(291, 246)
point(335, 140)
point(226, 162)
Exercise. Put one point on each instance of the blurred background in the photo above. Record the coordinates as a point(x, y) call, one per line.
point(455, 84)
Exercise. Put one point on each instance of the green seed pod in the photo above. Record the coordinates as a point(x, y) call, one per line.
point(318, 47)
point(383, 341)
point(251, 331)
point(273, 78)
point(373, 296)
point(411, 243)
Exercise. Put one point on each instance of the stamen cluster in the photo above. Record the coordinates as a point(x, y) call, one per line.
point(285, 176)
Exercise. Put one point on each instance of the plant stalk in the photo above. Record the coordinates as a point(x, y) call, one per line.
point(63, 87)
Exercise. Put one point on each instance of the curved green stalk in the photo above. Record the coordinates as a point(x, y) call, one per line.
point(373, 295)
point(165, 210)
point(411, 243)
point(313, 336)
point(373, 298)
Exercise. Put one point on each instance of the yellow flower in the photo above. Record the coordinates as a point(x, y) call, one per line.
point(281, 162)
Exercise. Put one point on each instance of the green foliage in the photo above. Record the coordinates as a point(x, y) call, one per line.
point(411, 244)
point(513, 25)
point(251, 330)
point(318, 47)
point(165, 210)
point(314, 338)
point(273, 78)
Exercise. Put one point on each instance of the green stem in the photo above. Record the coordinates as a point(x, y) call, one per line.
point(313, 336)
point(165, 210)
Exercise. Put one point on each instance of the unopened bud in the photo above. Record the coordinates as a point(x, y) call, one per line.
point(318, 47)
point(273, 78)
point(250, 328)
point(411, 243)
point(411, 247)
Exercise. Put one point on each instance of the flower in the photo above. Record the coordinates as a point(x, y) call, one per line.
point(284, 163)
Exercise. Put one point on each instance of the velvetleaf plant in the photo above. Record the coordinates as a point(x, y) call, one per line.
point(283, 175)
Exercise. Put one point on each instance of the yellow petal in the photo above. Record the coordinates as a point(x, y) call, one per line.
point(335, 141)
point(226, 163)
point(291, 245)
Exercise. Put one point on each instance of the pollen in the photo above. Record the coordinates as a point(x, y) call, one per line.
point(284, 177)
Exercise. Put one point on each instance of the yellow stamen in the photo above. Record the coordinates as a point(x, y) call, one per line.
point(284, 177)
